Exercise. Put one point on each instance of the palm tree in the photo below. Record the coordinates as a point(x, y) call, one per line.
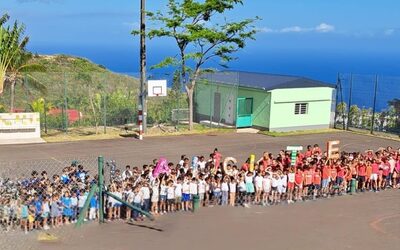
point(15, 61)
point(10, 45)
point(20, 72)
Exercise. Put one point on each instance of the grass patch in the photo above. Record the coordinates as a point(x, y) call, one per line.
point(89, 133)
point(299, 132)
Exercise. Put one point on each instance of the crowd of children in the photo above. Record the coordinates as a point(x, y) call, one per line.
point(41, 202)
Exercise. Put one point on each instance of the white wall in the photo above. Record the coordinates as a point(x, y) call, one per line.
point(19, 126)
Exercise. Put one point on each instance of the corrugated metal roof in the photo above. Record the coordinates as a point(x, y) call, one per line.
point(263, 80)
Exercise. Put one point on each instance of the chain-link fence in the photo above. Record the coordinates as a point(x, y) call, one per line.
point(37, 195)
point(368, 102)
point(88, 102)
point(215, 99)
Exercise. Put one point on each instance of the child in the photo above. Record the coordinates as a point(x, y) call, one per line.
point(290, 185)
point(258, 180)
point(217, 191)
point(111, 204)
point(266, 189)
point(67, 210)
point(24, 216)
point(232, 191)
point(307, 182)
point(185, 193)
point(282, 186)
point(225, 191)
point(31, 214)
point(93, 208)
point(193, 191)
point(298, 181)
point(155, 197)
point(129, 196)
point(145, 190)
point(137, 202)
point(178, 194)
point(38, 211)
point(242, 190)
point(171, 196)
point(74, 207)
point(274, 188)
point(81, 201)
point(45, 212)
point(163, 197)
point(317, 183)
point(249, 187)
point(202, 190)
point(117, 204)
point(54, 211)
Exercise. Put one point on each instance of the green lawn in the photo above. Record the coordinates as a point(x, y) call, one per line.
point(299, 132)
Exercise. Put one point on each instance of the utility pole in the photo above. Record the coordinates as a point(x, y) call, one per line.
point(143, 94)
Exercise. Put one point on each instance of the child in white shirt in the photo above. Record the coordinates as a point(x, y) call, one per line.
point(232, 192)
point(266, 189)
point(171, 196)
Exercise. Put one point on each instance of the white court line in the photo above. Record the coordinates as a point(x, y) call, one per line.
point(53, 158)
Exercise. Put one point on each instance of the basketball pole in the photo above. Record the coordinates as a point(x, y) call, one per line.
point(142, 97)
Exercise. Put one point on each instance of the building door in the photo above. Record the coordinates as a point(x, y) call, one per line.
point(244, 112)
point(217, 107)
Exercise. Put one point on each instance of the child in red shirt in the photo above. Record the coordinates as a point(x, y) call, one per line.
point(298, 181)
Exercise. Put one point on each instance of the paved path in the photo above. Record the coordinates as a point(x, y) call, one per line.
point(138, 153)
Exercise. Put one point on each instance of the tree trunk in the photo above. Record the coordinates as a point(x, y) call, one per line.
point(12, 97)
point(93, 110)
point(189, 92)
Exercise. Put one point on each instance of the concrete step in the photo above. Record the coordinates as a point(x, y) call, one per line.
point(247, 131)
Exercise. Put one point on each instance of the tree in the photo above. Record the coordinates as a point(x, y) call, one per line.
point(341, 111)
point(20, 72)
point(195, 29)
point(19, 66)
point(366, 117)
point(354, 115)
point(395, 103)
point(10, 45)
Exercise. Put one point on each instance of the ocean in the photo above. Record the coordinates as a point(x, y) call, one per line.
point(319, 65)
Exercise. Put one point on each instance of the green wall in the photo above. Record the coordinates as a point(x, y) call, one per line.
point(282, 117)
point(273, 109)
point(204, 101)
point(261, 105)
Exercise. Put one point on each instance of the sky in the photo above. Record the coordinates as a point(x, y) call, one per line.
point(314, 38)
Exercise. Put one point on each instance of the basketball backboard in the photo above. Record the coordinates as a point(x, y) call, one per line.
point(157, 88)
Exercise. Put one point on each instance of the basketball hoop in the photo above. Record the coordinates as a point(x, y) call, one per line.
point(157, 88)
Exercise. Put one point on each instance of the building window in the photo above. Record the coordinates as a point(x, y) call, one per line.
point(301, 108)
point(245, 106)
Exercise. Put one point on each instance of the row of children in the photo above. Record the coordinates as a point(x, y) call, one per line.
point(39, 202)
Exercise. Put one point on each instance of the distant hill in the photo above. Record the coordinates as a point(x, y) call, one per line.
point(73, 76)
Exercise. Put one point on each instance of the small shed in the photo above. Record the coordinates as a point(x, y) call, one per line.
point(266, 101)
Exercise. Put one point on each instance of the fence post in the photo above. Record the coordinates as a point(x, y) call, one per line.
point(374, 107)
point(100, 185)
point(343, 103)
point(336, 103)
point(349, 105)
point(65, 103)
point(45, 115)
point(105, 113)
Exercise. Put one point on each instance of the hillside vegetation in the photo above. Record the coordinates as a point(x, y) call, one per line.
point(91, 89)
